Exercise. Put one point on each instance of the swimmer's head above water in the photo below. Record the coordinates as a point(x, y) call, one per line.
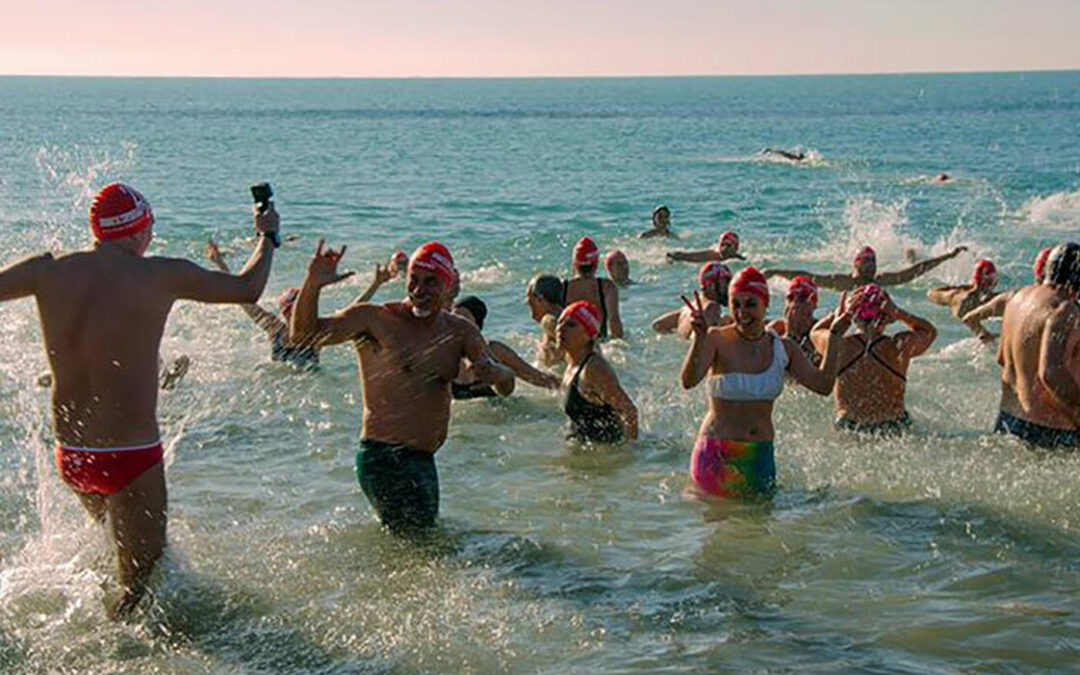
point(661, 218)
point(1063, 267)
point(713, 279)
point(120, 214)
point(586, 256)
point(985, 277)
point(728, 244)
point(869, 308)
point(864, 265)
point(473, 309)
point(749, 301)
point(579, 325)
point(544, 296)
point(287, 300)
point(1040, 265)
point(617, 267)
point(432, 278)
point(799, 304)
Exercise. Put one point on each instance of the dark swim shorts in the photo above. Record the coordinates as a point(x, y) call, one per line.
point(400, 483)
point(1036, 434)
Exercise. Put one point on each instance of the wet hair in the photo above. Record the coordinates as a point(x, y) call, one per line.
point(1063, 266)
point(476, 307)
point(548, 288)
point(587, 269)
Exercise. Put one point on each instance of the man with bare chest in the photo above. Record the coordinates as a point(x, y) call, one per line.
point(103, 311)
point(409, 353)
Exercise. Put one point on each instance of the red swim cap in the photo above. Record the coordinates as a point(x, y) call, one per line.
point(750, 280)
point(871, 306)
point(119, 211)
point(586, 252)
point(713, 272)
point(728, 240)
point(803, 288)
point(866, 253)
point(1040, 264)
point(986, 275)
point(287, 300)
point(435, 258)
point(586, 314)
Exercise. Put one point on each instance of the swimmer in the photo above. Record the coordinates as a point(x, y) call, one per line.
point(796, 156)
point(544, 297)
point(965, 298)
point(713, 280)
point(871, 380)
point(661, 224)
point(864, 271)
point(727, 248)
point(1039, 352)
point(942, 178)
point(799, 305)
point(410, 353)
point(733, 456)
point(585, 285)
point(466, 386)
point(598, 409)
point(103, 312)
point(618, 268)
point(995, 307)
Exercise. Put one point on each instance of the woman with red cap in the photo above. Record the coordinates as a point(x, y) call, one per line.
point(585, 285)
point(872, 378)
point(966, 297)
point(746, 364)
point(727, 248)
point(713, 280)
point(799, 305)
point(864, 271)
point(598, 408)
point(995, 307)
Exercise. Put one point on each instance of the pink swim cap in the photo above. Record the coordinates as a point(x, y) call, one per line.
point(435, 258)
point(871, 306)
point(1040, 264)
point(586, 314)
point(803, 288)
point(986, 275)
point(119, 211)
point(750, 280)
point(586, 252)
point(728, 240)
point(713, 272)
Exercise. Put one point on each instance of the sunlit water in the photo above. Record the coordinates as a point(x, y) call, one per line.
point(947, 550)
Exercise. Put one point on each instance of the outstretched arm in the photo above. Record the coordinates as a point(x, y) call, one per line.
point(188, 281)
point(916, 270)
point(944, 295)
point(667, 323)
point(266, 320)
point(693, 256)
point(20, 279)
point(995, 306)
point(522, 369)
point(836, 282)
point(487, 369)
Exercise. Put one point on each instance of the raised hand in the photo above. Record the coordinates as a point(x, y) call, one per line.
point(382, 274)
point(697, 315)
point(957, 251)
point(266, 220)
point(322, 269)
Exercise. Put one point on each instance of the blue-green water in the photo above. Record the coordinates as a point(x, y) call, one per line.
point(947, 550)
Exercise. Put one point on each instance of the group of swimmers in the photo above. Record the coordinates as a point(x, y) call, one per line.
point(103, 312)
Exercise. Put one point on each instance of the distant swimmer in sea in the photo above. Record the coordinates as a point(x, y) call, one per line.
point(746, 365)
point(544, 297)
point(796, 156)
point(967, 297)
point(597, 407)
point(585, 285)
point(103, 312)
point(864, 271)
point(1039, 354)
point(713, 280)
point(942, 178)
point(995, 307)
point(618, 268)
point(800, 302)
point(466, 385)
point(871, 380)
point(661, 224)
point(727, 248)
point(410, 353)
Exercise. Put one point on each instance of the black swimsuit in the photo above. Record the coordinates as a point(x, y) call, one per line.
point(593, 422)
point(463, 392)
point(304, 357)
point(603, 305)
point(888, 427)
point(869, 349)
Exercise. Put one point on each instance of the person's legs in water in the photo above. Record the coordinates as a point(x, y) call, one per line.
point(136, 519)
point(401, 484)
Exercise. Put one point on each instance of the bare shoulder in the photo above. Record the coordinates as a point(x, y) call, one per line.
point(598, 367)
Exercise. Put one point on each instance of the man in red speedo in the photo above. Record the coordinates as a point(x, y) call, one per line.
point(103, 311)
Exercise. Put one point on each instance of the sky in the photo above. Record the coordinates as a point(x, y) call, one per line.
point(510, 38)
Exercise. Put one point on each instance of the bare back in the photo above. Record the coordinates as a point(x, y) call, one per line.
point(406, 366)
point(102, 316)
point(1026, 318)
point(871, 381)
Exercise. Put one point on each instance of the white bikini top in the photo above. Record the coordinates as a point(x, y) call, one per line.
point(763, 386)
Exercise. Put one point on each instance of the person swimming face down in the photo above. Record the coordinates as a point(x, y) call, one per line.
point(749, 301)
point(431, 279)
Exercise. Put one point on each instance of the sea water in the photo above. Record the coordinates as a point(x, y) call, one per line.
point(949, 549)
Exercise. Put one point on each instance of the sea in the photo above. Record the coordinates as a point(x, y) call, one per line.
point(947, 550)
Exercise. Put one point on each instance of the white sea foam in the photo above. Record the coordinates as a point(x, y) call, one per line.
point(1058, 211)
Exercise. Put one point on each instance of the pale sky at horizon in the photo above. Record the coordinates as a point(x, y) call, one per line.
point(485, 38)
